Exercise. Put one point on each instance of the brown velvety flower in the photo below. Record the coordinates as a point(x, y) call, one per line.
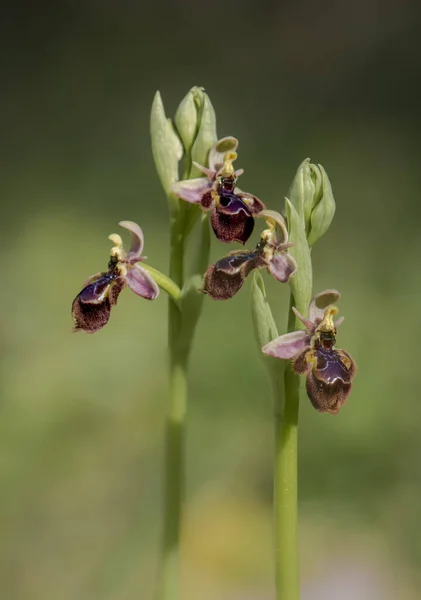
point(232, 210)
point(225, 278)
point(92, 306)
point(329, 371)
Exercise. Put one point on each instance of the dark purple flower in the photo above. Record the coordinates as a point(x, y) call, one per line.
point(92, 306)
point(225, 278)
point(329, 371)
point(232, 210)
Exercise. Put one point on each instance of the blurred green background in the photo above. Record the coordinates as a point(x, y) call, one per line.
point(81, 417)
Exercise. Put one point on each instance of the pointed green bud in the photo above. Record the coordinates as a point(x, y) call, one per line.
point(166, 147)
point(302, 191)
point(196, 124)
point(188, 116)
point(311, 195)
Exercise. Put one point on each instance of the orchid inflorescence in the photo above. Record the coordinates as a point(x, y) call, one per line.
point(197, 173)
point(233, 212)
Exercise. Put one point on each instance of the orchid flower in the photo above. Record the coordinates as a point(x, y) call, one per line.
point(226, 277)
point(329, 371)
point(232, 210)
point(92, 306)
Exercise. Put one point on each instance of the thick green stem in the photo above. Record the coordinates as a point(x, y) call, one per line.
point(174, 484)
point(285, 481)
point(174, 479)
point(285, 492)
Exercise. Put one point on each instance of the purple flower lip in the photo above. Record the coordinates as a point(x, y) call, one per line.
point(329, 371)
point(92, 306)
point(232, 210)
point(226, 277)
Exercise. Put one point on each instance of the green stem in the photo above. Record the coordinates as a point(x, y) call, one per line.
point(285, 481)
point(169, 584)
point(164, 282)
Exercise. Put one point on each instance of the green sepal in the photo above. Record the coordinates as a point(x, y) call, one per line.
point(264, 328)
point(324, 209)
point(302, 191)
point(206, 137)
point(166, 148)
point(188, 116)
point(301, 282)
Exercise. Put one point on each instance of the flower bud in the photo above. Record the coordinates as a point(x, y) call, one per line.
point(196, 124)
point(188, 116)
point(311, 195)
point(302, 192)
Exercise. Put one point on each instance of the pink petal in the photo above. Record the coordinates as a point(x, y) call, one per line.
point(282, 266)
point(191, 190)
point(218, 151)
point(141, 283)
point(320, 302)
point(309, 325)
point(136, 245)
point(288, 345)
point(209, 174)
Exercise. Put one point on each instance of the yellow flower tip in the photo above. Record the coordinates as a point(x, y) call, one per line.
point(228, 167)
point(116, 239)
point(271, 223)
point(117, 249)
point(275, 220)
point(327, 324)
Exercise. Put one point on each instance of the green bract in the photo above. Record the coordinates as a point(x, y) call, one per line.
point(301, 283)
point(205, 138)
point(311, 195)
point(264, 324)
point(323, 207)
point(166, 147)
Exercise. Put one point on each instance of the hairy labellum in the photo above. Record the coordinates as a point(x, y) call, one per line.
point(92, 306)
point(226, 277)
point(232, 210)
point(232, 219)
point(329, 375)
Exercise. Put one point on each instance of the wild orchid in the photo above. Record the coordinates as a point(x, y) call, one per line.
point(329, 371)
point(190, 146)
point(232, 210)
point(91, 308)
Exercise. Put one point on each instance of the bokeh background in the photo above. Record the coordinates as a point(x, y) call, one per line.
point(81, 417)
